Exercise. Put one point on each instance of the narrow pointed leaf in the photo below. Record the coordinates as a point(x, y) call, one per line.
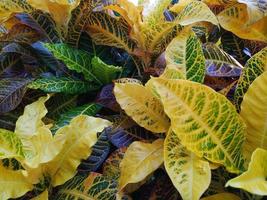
point(190, 174)
point(205, 121)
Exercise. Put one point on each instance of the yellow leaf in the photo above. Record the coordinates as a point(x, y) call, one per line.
point(81, 135)
point(253, 112)
point(178, 7)
point(42, 196)
point(190, 174)
point(237, 20)
point(28, 124)
point(139, 161)
point(205, 121)
point(13, 184)
point(222, 196)
point(140, 104)
point(254, 179)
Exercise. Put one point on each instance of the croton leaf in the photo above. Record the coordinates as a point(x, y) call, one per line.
point(222, 196)
point(11, 146)
point(78, 146)
point(197, 111)
point(139, 161)
point(95, 186)
point(77, 60)
point(124, 131)
point(63, 85)
point(13, 184)
point(254, 179)
point(140, 103)
point(99, 154)
point(8, 60)
point(190, 174)
point(11, 92)
point(253, 112)
point(185, 54)
point(105, 73)
point(219, 63)
point(111, 167)
point(42, 196)
point(255, 66)
point(106, 30)
point(65, 118)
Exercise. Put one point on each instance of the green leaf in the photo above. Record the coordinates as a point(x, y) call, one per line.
point(255, 66)
point(105, 73)
point(95, 186)
point(11, 146)
point(205, 121)
point(64, 84)
point(185, 54)
point(219, 63)
point(77, 60)
point(190, 174)
point(65, 118)
point(11, 92)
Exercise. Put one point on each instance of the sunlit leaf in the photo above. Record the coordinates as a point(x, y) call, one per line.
point(219, 63)
point(185, 54)
point(140, 103)
point(222, 196)
point(81, 135)
point(190, 174)
point(205, 121)
point(254, 179)
point(140, 160)
point(253, 112)
point(253, 68)
point(64, 84)
point(11, 92)
point(95, 186)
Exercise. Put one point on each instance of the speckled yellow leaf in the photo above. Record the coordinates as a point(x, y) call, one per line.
point(13, 184)
point(178, 7)
point(42, 196)
point(254, 113)
point(204, 120)
point(254, 179)
point(81, 135)
point(222, 196)
point(139, 161)
point(140, 104)
point(190, 174)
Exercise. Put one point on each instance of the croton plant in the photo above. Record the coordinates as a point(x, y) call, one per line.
point(145, 100)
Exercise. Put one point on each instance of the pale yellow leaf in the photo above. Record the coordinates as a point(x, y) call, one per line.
point(81, 135)
point(140, 104)
point(254, 113)
point(190, 174)
point(13, 184)
point(222, 196)
point(178, 7)
point(254, 179)
point(139, 161)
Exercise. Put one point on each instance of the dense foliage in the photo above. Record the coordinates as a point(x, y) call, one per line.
point(107, 99)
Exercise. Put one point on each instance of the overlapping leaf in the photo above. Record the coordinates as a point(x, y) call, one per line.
point(140, 103)
point(205, 121)
point(222, 196)
point(190, 174)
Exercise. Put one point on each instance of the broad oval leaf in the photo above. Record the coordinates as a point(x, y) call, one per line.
point(205, 121)
point(190, 174)
point(253, 112)
point(140, 104)
point(81, 135)
point(11, 92)
point(222, 196)
point(254, 67)
point(254, 179)
point(63, 85)
point(219, 63)
point(13, 184)
point(95, 186)
point(140, 160)
point(185, 54)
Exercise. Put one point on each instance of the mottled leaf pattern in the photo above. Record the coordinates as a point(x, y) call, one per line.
point(205, 121)
point(190, 174)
